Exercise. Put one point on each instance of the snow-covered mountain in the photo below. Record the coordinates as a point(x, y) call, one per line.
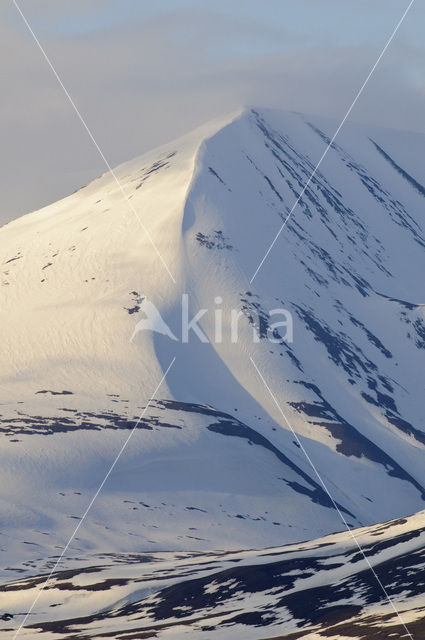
point(213, 463)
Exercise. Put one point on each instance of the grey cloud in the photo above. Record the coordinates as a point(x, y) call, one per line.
point(148, 81)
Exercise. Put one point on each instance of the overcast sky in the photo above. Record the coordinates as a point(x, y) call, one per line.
point(142, 73)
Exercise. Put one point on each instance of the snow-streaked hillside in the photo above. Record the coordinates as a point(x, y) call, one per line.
point(318, 589)
point(213, 464)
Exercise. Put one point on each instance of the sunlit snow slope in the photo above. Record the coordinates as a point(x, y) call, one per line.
point(213, 463)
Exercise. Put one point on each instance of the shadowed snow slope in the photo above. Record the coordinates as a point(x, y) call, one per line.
point(213, 464)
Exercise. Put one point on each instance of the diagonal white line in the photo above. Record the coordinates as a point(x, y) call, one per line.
point(92, 501)
point(359, 93)
point(338, 510)
point(86, 127)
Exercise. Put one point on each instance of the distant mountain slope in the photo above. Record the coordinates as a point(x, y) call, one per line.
point(213, 464)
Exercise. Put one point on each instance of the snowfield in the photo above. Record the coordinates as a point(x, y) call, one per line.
point(213, 476)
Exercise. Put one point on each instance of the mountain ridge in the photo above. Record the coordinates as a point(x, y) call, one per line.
point(74, 275)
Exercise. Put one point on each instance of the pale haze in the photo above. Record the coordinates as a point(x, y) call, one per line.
point(144, 73)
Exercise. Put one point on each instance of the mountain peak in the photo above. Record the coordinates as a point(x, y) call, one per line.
point(205, 209)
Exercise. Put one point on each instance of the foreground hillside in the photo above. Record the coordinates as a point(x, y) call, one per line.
point(318, 589)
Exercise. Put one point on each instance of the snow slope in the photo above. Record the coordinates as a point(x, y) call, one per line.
point(213, 464)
